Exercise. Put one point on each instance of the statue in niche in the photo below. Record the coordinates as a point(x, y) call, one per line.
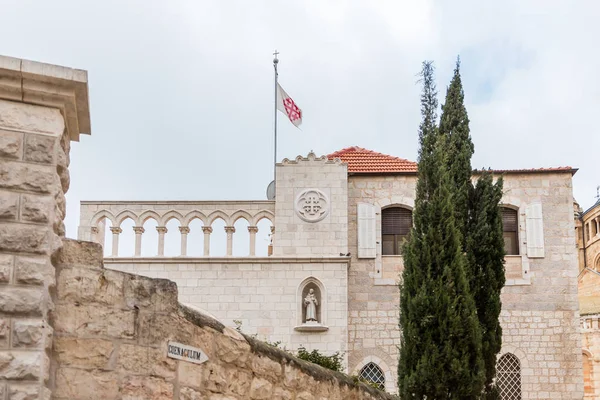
point(311, 303)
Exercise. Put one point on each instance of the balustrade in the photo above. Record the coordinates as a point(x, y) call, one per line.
point(94, 216)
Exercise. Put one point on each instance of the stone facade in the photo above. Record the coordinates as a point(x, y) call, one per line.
point(42, 108)
point(111, 335)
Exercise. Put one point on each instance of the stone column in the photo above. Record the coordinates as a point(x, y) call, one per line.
point(161, 239)
point(597, 220)
point(270, 249)
point(207, 231)
point(230, 230)
point(42, 108)
point(139, 230)
point(116, 231)
point(253, 230)
point(184, 232)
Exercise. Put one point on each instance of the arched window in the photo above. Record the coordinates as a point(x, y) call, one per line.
point(510, 227)
point(588, 384)
point(508, 373)
point(372, 373)
point(396, 223)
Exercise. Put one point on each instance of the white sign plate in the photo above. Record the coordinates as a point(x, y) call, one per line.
point(186, 353)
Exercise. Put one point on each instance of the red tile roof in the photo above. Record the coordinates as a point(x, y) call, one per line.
point(364, 161)
point(367, 161)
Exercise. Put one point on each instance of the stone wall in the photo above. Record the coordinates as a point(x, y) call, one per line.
point(262, 293)
point(111, 335)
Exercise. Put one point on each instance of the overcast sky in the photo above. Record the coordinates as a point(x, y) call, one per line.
point(181, 93)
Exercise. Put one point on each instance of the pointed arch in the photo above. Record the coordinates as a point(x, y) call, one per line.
point(123, 215)
point(240, 214)
point(262, 214)
point(189, 217)
point(218, 214)
point(146, 215)
point(169, 216)
point(103, 214)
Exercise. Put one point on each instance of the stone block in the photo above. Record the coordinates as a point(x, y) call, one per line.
point(28, 177)
point(141, 360)
point(187, 393)
point(34, 271)
point(29, 333)
point(33, 391)
point(87, 353)
point(232, 348)
point(192, 375)
point(281, 394)
point(20, 365)
point(155, 329)
point(36, 208)
point(260, 389)
point(19, 300)
point(11, 144)
point(147, 388)
point(86, 285)
point(75, 252)
point(154, 294)
point(4, 332)
point(86, 385)
point(18, 238)
point(94, 320)
point(9, 206)
point(266, 368)
point(6, 267)
point(39, 148)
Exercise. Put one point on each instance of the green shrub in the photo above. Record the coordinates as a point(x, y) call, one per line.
point(332, 362)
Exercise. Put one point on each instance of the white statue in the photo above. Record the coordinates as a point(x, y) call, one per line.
point(311, 303)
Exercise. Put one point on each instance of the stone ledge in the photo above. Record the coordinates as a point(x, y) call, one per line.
point(225, 260)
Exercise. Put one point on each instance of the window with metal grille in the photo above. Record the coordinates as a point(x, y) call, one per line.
point(396, 223)
point(372, 373)
point(510, 228)
point(508, 377)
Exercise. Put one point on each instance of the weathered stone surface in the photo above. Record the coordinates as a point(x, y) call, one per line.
point(21, 300)
point(20, 238)
point(215, 378)
point(36, 208)
point(86, 385)
point(155, 329)
point(75, 252)
point(192, 375)
point(266, 368)
point(28, 333)
point(146, 388)
point(31, 118)
point(34, 271)
point(25, 391)
point(145, 361)
point(217, 396)
point(281, 394)
point(29, 177)
point(39, 148)
point(90, 285)
point(9, 206)
point(4, 331)
point(260, 389)
point(91, 353)
point(305, 396)
point(20, 365)
point(154, 294)
point(187, 393)
point(6, 266)
point(232, 347)
point(11, 144)
point(239, 381)
point(94, 320)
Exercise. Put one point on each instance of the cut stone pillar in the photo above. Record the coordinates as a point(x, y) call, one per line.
point(230, 230)
point(42, 108)
point(116, 231)
point(184, 236)
point(161, 239)
point(207, 231)
point(253, 230)
point(139, 230)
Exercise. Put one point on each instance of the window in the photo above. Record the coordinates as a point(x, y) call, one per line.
point(510, 225)
point(509, 377)
point(588, 385)
point(396, 223)
point(372, 373)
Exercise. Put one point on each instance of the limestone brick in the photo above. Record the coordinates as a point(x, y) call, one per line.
point(38, 209)
point(27, 177)
point(20, 300)
point(34, 271)
point(20, 365)
point(6, 267)
point(151, 388)
point(82, 384)
point(18, 238)
point(39, 148)
point(28, 333)
point(135, 359)
point(260, 389)
point(94, 320)
point(11, 144)
point(9, 206)
point(88, 353)
point(4, 333)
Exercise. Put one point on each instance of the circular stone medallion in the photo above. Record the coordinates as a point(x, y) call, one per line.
point(312, 205)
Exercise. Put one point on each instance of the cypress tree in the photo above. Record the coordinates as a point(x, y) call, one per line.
point(485, 250)
point(454, 124)
point(440, 353)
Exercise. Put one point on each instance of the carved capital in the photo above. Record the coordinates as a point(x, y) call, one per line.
point(230, 229)
point(207, 229)
point(184, 230)
point(139, 230)
point(253, 229)
point(116, 229)
point(161, 229)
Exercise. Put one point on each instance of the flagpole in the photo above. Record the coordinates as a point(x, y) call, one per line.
point(275, 62)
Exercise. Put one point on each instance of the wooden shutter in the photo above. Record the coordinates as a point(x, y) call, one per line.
point(396, 221)
point(510, 220)
point(535, 230)
point(367, 246)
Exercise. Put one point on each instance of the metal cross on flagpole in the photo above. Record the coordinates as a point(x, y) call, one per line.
point(275, 62)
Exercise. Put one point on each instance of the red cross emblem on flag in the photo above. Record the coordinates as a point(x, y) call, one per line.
point(286, 105)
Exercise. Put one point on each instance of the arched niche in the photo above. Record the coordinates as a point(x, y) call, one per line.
point(302, 299)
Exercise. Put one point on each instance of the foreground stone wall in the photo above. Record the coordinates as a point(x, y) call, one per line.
point(111, 335)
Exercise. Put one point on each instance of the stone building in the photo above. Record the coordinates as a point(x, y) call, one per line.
point(331, 279)
point(587, 227)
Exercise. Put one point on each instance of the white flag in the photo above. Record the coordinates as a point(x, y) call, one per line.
point(286, 105)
